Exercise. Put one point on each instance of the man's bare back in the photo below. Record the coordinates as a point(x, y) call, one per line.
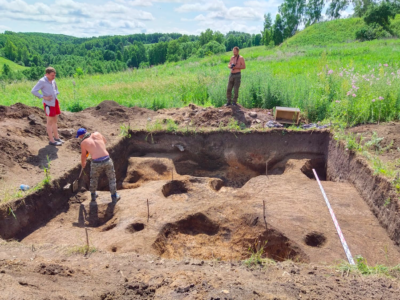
point(95, 145)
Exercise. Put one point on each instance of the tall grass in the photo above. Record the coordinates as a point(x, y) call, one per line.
point(321, 81)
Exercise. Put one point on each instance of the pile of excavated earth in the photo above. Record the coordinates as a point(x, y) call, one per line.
point(205, 213)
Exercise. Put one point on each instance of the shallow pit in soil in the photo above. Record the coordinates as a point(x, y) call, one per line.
point(206, 201)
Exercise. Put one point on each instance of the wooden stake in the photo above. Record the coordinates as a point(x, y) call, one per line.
point(87, 241)
point(265, 220)
point(266, 169)
point(148, 211)
point(231, 255)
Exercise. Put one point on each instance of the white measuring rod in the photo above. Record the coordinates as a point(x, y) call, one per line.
point(339, 231)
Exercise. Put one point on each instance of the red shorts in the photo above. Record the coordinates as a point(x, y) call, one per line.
point(52, 111)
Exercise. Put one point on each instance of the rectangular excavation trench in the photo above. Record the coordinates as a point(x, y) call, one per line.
point(234, 158)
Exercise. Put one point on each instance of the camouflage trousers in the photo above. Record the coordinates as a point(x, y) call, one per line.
point(97, 169)
point(233, 83)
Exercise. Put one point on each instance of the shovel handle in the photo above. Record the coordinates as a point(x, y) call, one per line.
point(80, 173)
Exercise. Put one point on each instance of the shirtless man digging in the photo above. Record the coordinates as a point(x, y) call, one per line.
point(95, 144)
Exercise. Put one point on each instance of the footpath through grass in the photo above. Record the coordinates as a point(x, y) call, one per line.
point(349, 83)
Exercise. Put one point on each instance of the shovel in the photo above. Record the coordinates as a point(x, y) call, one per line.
point(75, 184)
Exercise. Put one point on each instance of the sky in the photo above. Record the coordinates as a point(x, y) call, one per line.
point(87, 18)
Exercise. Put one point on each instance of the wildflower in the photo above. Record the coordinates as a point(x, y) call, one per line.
point(380, 65)
point(341, 74)
point(386, 65)
point(347, 149)
point(330, 72)
point(348, 93)
point(398, 72)
point(380, 98)
point(373, 100)
point(353, 86)
point(377, 78)
point(337, 101)
point(354, 95)
point(392, 73)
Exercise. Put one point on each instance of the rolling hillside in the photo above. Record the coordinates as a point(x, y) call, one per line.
point(330, 32)
point(13, 65)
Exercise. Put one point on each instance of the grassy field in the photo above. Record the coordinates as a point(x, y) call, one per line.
point(324, 33)
point(13, 65)
point(347, 82)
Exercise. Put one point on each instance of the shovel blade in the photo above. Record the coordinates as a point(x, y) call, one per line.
point(75, 186)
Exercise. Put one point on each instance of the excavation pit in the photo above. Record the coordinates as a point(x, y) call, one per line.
point(207, 201)
point(315, 239)
point(135, 227)
point(174, 188)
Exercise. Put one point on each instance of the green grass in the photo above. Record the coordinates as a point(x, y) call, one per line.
point(362, 268)
point(257, 257)
point(329, 32)
point(318, 80)
point(14, 67)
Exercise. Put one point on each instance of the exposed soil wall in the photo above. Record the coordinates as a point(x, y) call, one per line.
point(343, 165)
point(233, 157)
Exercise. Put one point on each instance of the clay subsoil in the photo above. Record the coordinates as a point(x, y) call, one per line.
point(191, 212)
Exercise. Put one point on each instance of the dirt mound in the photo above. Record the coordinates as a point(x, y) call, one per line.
point(200, 237)
point(13, 151)
point(193, 115)
point(110, 111)
point(54, 269)
point(18, 111)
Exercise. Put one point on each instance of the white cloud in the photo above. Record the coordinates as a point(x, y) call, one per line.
point(226, 26)
point(135, 2)
point(102, 27)
point(205, 6)
point(262, 4)
point(82, 18)
point(218, 11)
point(79, 18)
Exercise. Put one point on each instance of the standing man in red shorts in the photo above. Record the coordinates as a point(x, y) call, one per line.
point(49, 89)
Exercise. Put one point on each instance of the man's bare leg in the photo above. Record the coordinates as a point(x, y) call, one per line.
point(49, 127)
point(55, 128)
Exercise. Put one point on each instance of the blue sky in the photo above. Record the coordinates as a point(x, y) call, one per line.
point(86, 18)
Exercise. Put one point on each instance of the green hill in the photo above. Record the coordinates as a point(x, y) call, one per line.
point(13, 65)
point(325, 33)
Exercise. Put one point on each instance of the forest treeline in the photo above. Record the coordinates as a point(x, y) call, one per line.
point(73, 56)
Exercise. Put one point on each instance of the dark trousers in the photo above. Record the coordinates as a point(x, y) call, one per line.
point(234, 82)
